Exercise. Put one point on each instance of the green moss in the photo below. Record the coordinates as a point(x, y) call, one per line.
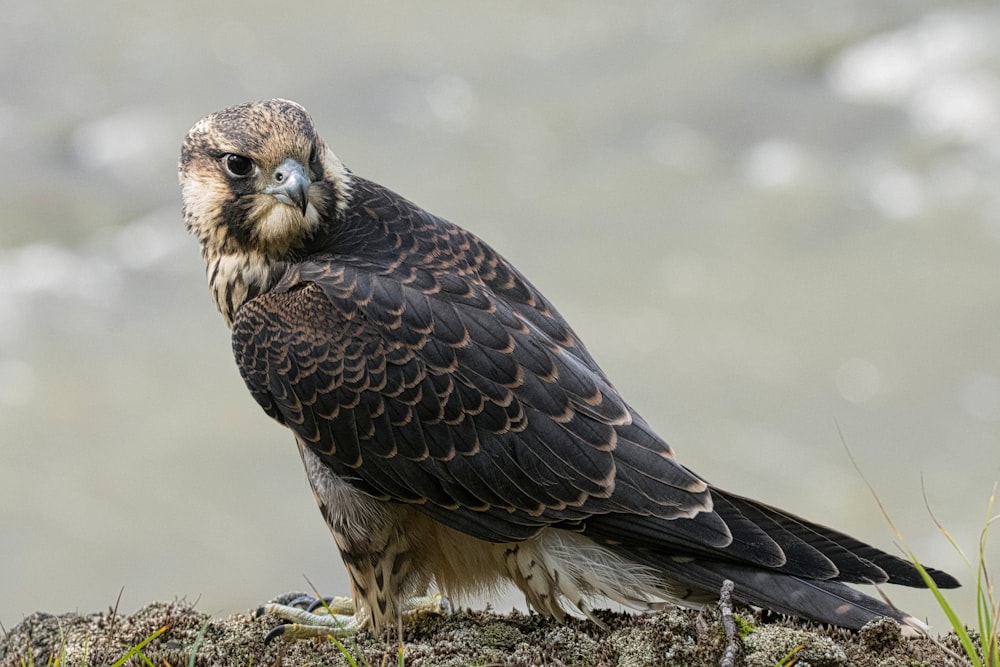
point(743, 626)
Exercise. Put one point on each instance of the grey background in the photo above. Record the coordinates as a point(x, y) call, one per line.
point(766, 220)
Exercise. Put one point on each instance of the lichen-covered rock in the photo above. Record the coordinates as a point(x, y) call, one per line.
point(170, 633)
point(882, 635)
point(767, 646)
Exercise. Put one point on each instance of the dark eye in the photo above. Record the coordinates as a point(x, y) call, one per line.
point(237, 165)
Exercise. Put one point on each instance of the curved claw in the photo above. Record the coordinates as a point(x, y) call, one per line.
point(319, 603)
point(274, 633)
point(307, 602)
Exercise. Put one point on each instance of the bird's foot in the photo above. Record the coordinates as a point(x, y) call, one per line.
point(421, 607)
point(305, 616)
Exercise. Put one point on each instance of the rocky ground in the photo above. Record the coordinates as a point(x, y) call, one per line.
point(671, 637)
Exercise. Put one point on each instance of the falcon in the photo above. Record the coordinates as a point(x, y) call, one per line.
point(455, 431)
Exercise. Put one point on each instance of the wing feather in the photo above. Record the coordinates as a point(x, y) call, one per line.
point(461, 408)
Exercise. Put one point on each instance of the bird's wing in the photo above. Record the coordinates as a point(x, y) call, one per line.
point(429, 388)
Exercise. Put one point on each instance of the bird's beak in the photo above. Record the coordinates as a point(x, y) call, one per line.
point(290, 185)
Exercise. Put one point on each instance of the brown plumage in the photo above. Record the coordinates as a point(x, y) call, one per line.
point(455, 430)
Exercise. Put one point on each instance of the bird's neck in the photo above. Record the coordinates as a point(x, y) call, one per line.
point(234, 279)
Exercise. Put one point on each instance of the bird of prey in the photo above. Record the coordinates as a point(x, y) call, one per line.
point(455, 431)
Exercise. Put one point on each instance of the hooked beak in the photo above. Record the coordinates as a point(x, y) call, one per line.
point(290, 185)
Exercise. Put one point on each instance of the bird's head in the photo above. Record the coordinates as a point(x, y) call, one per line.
point(258, 183)
point(257, 177)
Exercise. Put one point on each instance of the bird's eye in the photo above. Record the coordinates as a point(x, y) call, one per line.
point(237, 165)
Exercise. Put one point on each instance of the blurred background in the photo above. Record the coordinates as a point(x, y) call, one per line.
point(768, 222)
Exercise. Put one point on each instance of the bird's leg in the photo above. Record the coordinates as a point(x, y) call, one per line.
point(306, 616)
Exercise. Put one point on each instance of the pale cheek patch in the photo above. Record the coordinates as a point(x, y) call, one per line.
point(201, 198)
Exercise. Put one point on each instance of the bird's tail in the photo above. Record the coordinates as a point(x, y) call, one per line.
point(825, 601)
point(775, 559)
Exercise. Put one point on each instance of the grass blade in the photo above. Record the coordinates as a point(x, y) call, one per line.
point(197, 642)
point(984, 593)
point(135, 650)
